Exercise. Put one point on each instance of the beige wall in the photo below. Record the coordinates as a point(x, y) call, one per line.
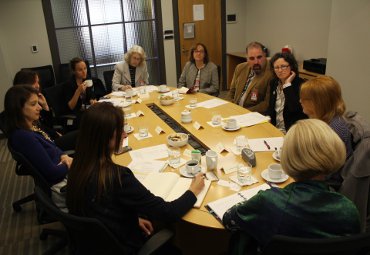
point(236, 32)
point(303, 24)
point(22, 25)
point(349, 52)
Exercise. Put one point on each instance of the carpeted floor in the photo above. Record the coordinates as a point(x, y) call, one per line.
point(19, 231)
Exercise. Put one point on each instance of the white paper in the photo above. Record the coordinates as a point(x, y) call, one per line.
point(118, 93)
point(159, 130)
point(150, 153)
point(198, 12)
point(181, 163)
point(197, 126)
point(151, 88)
point(252, 180)
point(119, 102)
point(130, 115)
point(259, 145)
point(183, 90)
point(187, 153)
point(220, 147)
point(250, 119)
point(146, 167)
point(212, 103)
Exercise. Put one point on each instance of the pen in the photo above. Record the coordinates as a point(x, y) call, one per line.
point(267, 145)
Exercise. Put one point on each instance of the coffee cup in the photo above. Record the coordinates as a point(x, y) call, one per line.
point(211, 160)
point(186, 116)
point(275, 171)
point(192, 167)
point(231, 123)
point(127, 128)
point(88, 83)
point(162, 88)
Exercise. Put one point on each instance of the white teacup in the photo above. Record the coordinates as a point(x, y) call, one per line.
point(231, 123)
point(275, 171)
point(211, 160)
point(88, 83)
point(162, 88)
point(192, 167)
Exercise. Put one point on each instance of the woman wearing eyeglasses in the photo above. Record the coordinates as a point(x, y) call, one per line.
point(284, 106)
point(200, 74)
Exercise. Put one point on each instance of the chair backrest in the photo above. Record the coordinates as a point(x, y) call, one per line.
point(27, 168)
point(46, 75)
point(99, 88)
point(108, 76)
point(54, 97)
point(356, 170)
point(65, 72)
point(86, 235)
point(284, 245)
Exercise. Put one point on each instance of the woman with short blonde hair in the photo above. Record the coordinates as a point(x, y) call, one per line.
point(321, 98)
point(311, 151)
point(132, 71)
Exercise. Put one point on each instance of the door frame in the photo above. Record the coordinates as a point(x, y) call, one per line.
point(223, 41)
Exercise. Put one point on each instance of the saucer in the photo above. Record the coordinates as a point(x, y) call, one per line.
point(130, 130)
point(186, 174)
point(230, 129)
point(265, 175)
point(274, 155)
point(164, 91)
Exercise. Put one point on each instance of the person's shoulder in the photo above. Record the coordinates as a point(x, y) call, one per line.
point(120, 65)
point(211, 64)
point(243, 65)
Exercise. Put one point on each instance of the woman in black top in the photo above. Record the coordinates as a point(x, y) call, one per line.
point(284, 106)
point(99, 188)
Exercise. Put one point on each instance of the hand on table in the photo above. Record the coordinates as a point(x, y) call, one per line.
point(197, 184)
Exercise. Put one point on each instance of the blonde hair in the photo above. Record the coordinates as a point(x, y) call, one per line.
point(326, 96)
point(312, 148)
point(135, 49)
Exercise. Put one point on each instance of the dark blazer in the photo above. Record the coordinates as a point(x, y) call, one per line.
point(292, 108)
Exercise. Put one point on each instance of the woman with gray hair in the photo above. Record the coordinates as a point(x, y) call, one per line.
point(132, 71)
point(311, 151)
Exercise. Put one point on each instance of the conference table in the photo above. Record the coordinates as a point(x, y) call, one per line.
point(209, 137)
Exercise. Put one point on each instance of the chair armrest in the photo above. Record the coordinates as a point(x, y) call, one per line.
point(156, 241)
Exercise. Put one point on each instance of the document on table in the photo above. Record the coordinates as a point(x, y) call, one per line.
point(150, 153)
point(250, 119)
point(118, 93)
point(148, 166)
point(211, 103)
point(266, 144)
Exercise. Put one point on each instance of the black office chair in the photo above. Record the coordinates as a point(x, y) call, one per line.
point(46, 75)
point(65, 72)
point(54, 97)
point(90, 236)
point(354, 245)
point(108, 76)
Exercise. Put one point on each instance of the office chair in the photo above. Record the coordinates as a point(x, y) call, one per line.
point(54, 97)
point(283, 245)
point(19, 170)
point(90, 236)
point(108, 76)
point(46, 75)
point(65, 72)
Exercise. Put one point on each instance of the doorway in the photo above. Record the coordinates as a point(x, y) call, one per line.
point(211, 31)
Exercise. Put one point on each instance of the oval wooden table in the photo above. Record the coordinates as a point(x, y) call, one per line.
point(203, 227)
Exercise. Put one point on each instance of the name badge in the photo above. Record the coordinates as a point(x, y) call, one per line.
point(254, 95)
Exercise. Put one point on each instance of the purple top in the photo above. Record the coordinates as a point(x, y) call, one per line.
point(340, 127)
point(43, 154)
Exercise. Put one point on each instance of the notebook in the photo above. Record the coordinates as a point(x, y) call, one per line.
point(218, 207)
point(171, 186)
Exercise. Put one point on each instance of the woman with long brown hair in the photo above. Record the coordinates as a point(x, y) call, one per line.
point(99, 188)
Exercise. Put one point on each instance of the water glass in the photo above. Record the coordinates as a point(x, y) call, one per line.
point(244, 173)
point(175, 93)
point(143, 131)
point(241, 142)
point(174, 156)
point(193, 102)
point(216, 119)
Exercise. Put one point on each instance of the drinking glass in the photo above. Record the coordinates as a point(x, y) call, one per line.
point(193, 102)
point(241, 142)
point(244, 173)
point(143, 131)
point(174, 155)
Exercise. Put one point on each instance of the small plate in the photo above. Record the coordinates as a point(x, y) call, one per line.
point(164, 91)
point(274, 155)
point(130, 130)
point(265, 175)
point(230, 129)
point(186, 174)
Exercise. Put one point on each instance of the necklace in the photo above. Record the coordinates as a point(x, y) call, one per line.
point(40, 131)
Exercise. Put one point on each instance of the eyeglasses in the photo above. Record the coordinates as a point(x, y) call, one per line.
point(199, 51)
point(282, 67)
point(253, 58)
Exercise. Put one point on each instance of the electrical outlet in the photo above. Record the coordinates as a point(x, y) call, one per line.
point(34, 48)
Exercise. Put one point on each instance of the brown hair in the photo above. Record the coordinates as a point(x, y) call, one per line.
point(93, 157)
point(206, 57)
point(326, 97)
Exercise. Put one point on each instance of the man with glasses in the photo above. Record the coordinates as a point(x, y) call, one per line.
point(251, 80)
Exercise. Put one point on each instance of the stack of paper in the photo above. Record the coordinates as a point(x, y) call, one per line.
point(250, 119)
